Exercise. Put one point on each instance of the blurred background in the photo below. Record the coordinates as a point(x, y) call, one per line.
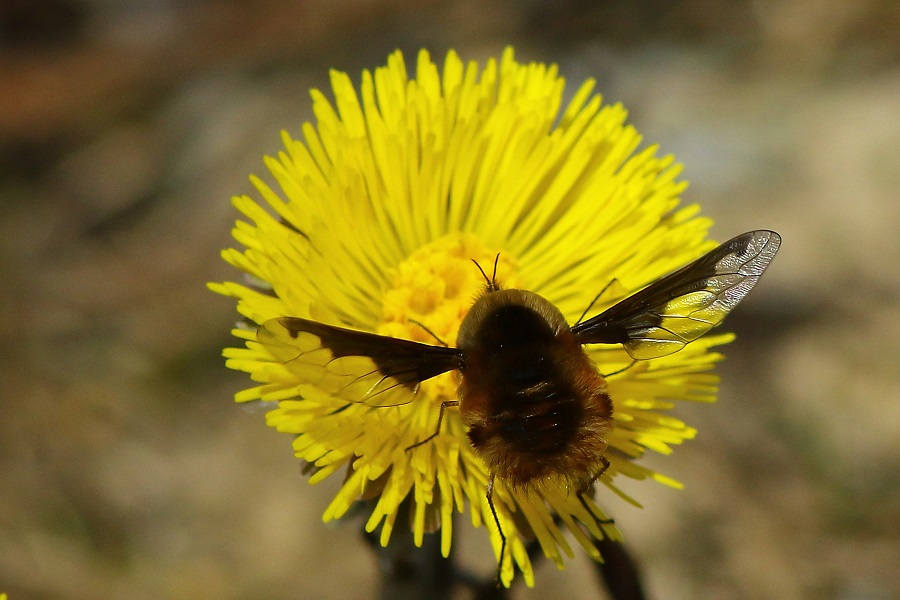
point(127, 472)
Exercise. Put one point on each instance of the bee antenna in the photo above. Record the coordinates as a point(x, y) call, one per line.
point(491, 281)
point(494, 274)
point(483, 274)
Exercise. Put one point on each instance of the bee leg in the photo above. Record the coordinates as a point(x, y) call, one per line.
point(429, 332)
point(437, 430)
point(597, 520)
point(605, 462)
point(589, 488)
point(594, 301)
point(622, 370)
point(490, 499)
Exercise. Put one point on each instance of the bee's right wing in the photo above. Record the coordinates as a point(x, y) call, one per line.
point(354, 365)
point(672, 312)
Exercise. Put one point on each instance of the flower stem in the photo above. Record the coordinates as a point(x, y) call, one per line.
point(411, 573)
point(619, 571)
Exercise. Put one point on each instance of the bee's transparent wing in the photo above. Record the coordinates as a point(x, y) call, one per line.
point(679, 308)
point(353, 365)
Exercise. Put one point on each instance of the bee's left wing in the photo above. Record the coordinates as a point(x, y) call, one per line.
point(679, 308)
point(354, 365)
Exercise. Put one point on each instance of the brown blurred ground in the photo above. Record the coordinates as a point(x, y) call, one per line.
point(127, 472)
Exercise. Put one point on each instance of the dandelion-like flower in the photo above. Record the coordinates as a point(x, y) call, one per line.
point(382, 208)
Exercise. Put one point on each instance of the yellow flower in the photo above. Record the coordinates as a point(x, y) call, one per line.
point(383, 206)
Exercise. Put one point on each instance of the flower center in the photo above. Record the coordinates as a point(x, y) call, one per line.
point(432, 290)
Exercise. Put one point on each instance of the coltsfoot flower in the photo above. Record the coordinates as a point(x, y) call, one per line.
point(382, 209)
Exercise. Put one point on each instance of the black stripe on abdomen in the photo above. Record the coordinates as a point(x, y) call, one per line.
point(540, 420)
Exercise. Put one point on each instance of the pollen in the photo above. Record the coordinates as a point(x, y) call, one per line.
point(431, 291)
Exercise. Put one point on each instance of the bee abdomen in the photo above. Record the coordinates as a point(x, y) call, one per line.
point(544, 421)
